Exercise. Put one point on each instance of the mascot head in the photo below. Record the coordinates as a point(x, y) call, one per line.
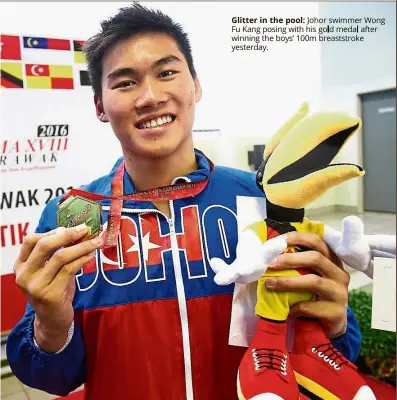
point(296, 167)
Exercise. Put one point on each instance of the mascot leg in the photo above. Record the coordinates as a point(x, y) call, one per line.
point(320, 369)
point(265, 371)
point(314, 366)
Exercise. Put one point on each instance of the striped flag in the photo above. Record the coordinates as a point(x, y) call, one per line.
point(11, 75)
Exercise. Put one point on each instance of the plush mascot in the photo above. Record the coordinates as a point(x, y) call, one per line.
point(296, 170)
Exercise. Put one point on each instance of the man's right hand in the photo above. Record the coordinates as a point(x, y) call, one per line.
point(45, 271)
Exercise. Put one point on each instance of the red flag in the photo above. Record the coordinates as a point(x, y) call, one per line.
point(37, 70)
point(58, 44)
point(61, 83)
point(10, 48)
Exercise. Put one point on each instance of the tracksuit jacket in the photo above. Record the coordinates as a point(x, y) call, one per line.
point(150, 322)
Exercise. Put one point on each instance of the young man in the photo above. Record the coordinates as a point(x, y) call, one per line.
point(144, 319)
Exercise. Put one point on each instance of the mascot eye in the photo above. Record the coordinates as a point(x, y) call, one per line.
point(260, 173)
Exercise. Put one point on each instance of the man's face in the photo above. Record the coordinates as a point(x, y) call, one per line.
point(148, 95)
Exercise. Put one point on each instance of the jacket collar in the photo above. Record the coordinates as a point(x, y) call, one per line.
point(203, 172)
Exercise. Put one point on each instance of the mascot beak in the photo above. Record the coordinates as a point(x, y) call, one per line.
point(298, 170)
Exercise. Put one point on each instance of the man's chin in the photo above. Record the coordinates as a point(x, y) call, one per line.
point(155, 150)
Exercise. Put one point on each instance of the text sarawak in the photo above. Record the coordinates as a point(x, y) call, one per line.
point(33, 145)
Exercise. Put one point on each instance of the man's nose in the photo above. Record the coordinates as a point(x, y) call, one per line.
point(150, 95)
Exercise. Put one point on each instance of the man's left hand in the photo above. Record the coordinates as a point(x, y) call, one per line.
point(331, 283)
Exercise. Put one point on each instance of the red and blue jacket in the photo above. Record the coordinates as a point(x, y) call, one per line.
point(150, 322)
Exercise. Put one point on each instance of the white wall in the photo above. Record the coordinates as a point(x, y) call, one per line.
point(349, 69)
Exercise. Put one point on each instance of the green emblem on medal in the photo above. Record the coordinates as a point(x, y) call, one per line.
point(77, 210)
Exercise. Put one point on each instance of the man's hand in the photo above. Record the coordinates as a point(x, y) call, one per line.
point(45, 271)
point(331, 283)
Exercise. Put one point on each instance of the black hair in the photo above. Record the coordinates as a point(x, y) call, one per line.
point(127, 22)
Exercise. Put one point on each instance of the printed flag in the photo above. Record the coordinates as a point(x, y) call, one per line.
point(79, 57)
point(45, 43)
point(84, 78)
point(11, 76)
point(41, 76)
point(10, 47)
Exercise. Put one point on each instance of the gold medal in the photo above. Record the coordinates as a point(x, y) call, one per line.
point(77, 210)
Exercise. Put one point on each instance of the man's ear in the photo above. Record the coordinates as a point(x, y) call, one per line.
point(100, 113)
point(198, 91)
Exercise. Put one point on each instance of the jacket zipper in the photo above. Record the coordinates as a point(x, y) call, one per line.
point(180, 290)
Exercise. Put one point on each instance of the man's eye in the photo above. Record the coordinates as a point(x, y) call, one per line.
point(125, 84)
point(166, 74)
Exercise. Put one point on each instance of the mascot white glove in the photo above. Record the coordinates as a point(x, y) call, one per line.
point(356, 249)
point(252, 259)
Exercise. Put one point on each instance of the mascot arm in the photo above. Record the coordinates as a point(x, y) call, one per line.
point(356, 249)
point(252, 259)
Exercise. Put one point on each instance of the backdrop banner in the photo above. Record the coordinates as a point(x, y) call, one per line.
point(49, 139)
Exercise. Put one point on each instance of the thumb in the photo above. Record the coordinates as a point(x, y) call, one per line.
point(352, 230)
point(217, 264)
point(273, 248)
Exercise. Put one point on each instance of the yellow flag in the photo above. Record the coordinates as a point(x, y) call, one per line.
point(38, 82)
point(61, 71)
point(79, 57)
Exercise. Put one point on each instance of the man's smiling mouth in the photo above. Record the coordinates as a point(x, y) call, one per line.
point(155, 122)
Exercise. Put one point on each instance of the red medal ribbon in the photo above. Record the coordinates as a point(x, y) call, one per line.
point(164, 193)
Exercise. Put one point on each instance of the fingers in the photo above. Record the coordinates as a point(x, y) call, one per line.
point(70, 270)
point(225, 277)
point(309, 259)
point(309, 240)
point(224, 273)
point(217, 264)
point(36, 273)
point(332, 316)
point(42, 287)
point(47, 245)
point(30, 241)
point(66, 260)
point(326, 289)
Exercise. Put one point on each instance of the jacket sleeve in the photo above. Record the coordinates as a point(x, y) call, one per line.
point(349, 344)
point(58, 373)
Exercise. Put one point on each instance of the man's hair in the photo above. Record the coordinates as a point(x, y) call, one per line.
point(127, 22)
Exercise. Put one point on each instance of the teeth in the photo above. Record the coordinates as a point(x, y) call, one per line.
point(156, 122)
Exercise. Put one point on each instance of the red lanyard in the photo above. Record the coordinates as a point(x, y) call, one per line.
point(164, 193)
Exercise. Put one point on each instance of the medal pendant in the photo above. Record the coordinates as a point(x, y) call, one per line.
point(77, 210)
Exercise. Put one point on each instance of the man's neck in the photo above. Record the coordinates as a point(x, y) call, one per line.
point(156, 172)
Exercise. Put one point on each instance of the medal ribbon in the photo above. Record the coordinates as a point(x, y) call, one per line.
point(164, 193)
